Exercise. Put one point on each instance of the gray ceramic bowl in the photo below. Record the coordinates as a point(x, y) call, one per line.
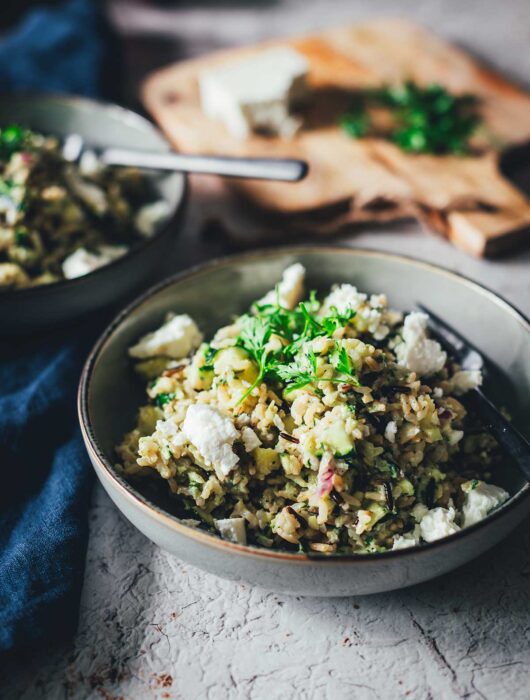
point(109, 395)
point(99, 124)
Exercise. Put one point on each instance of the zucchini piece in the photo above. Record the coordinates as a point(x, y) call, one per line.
point(266, 459)
point(236, 362)
point(337, 440)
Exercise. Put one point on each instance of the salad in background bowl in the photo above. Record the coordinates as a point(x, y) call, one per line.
point(61, 220)
point(75, 237)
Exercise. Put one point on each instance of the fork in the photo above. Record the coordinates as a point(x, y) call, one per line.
point(469, 358)
point(282, 169)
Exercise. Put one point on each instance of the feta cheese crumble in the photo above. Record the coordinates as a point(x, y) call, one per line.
point(176, 338)
point(364, 518)
point(417, 352)
point(465, 380)
point(93, 196)
point(481, 499)
point(344, 298)
point(290, 288)
point(371, 313)
point(438, 523)
point(81, 262)
point(410, 539)
point(90, 164)
point(390, 431)
point(150, 216)
point(232, 529)
point(213, 434)
point(256, 94)
point(249, 438)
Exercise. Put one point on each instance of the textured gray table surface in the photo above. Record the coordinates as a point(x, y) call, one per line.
point(153, 627)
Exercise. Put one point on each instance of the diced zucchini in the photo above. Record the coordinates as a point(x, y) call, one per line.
point(147, 418)
point(290, 464)
point(267, 460)
point(200, 374)
point(236, 362)
point(152, 368)
point(289, 424)
point(407, 489)
point(337, 440)
point(378, 511)
point(433, 434)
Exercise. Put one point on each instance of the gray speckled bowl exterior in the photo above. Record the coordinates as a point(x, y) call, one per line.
point(100, 124)
point(109, 396)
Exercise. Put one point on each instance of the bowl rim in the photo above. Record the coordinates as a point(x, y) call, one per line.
point(104, 467)
point(134, 119)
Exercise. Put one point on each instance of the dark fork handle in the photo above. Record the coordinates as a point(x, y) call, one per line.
point(507, 435)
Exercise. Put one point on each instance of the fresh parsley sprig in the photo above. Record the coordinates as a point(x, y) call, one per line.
point(292, 364)
point(255, 333)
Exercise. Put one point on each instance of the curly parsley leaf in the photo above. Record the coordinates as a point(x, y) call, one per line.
point(293, 364)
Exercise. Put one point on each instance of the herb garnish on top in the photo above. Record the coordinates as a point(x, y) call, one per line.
point(289, 360)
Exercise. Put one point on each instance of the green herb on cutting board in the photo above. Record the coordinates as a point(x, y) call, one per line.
point(424, 119)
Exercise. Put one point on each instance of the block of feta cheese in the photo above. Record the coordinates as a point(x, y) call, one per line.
point(232, 529)
point(176, 338)
point(256, 94)
point(213, 435)
point(438, 523)
point(290, 288)
point(481, 499)
point(82, 261)
point(417, 352)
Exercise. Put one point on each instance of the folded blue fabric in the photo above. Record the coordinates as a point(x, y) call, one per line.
point(45, 488)
point(54, 49)
point(46, 476)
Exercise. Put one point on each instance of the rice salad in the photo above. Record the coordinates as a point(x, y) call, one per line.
point(332, 426)
point(61, 220)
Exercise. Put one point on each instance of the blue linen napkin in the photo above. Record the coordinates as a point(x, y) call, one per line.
point(44, 490)
point(54, 49)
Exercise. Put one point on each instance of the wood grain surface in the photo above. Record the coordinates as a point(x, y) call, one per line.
point(467, 199)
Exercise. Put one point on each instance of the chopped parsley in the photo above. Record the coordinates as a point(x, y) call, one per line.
point(209, 354)
point(289, 360)
point(12, 139)
point(424, 119)
point(22, 239)
point(163, 399)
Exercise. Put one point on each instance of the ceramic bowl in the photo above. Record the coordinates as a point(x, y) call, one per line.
point(110, 394)
point(99, 124)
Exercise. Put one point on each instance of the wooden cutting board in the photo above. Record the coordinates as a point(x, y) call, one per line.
point(467, 199)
